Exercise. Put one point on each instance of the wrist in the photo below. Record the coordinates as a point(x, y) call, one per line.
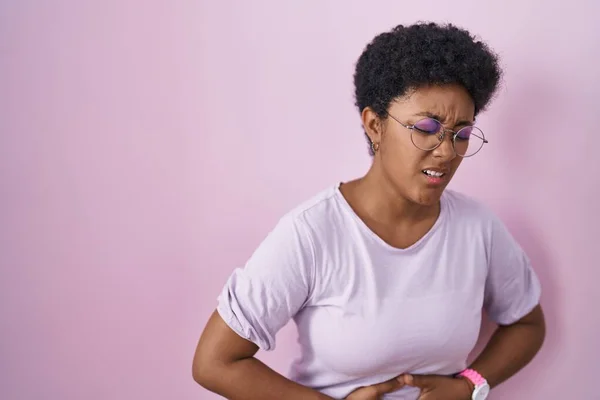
point(477, 384)
point(468, 385)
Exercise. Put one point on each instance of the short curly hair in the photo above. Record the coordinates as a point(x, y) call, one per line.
point(408, 57)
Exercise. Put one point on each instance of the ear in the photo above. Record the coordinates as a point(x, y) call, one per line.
point(372, 124)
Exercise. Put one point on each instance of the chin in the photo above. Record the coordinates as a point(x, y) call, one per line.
point(428, 197)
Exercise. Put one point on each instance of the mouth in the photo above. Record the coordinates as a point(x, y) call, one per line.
point(433, 174)
point(434, 178)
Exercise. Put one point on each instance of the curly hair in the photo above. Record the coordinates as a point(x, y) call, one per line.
point(408, 57)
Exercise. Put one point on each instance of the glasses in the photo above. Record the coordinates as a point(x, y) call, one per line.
point(428, 133)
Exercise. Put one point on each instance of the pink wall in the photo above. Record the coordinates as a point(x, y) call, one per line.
point(147, 147)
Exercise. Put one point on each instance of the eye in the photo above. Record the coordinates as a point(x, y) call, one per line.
point(464, 133)
point(428, 125)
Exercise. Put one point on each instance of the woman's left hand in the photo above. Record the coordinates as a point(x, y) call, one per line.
point(437, 387)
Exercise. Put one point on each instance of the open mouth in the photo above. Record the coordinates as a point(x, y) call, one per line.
point(433, 174)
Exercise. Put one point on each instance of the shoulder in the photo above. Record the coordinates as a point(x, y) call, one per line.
point(476, 220)
point(315, 223)
point(321, 209)
point(301, 221)
point(466, 208)
point(291, 241)
point(298, 234)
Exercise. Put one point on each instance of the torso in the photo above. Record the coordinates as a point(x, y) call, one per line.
point(380, 309)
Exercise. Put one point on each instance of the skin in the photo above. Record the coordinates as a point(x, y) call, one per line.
point(398, 203)
point(394, 198)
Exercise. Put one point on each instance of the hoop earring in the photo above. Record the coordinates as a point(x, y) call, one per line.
point(374, 147)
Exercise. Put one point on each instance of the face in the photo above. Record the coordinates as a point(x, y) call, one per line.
point(399, 161)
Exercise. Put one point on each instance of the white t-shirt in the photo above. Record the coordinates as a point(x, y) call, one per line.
point(367, 311)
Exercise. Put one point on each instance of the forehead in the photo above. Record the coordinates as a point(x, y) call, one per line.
point(447, 101)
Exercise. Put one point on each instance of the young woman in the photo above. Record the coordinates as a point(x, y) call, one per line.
point(386, 276)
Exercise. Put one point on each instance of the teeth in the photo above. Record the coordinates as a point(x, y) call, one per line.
point(433, 173)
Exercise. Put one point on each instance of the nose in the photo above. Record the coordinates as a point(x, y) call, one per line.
point(445, 150)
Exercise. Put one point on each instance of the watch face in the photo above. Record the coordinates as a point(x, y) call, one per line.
point(481, 392)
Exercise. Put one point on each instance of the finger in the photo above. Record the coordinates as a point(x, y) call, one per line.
point(420, 381)
point(389, 386)
point(425, 396)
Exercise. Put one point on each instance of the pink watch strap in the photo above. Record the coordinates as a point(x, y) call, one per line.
point(473, 376)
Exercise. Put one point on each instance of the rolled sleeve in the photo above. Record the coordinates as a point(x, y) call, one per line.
point(261, 298)
point(512, 286)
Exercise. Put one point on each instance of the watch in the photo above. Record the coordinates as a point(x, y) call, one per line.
point(482, 388)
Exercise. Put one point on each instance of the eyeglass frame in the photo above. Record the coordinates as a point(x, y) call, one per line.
point(441, 135)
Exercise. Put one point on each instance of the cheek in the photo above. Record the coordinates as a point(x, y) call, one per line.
point(456, 163)
point(402, 158)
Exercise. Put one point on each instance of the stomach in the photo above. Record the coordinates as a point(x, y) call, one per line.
point(427, 334)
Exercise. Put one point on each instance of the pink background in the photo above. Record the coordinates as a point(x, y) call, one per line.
point(147, 147)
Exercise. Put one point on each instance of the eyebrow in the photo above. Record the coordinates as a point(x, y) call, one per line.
point(441, 119)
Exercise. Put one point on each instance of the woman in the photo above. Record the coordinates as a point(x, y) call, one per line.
point(386, 276)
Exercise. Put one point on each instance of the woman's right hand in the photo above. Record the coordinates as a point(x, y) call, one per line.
point(375, 392)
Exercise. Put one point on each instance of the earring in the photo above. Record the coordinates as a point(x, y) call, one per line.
point(374, 147)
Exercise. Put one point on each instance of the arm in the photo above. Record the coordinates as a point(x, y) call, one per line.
point(512, 294)
point(512, 297)
point(224, 363)
point(511, 348)
point(256, 302)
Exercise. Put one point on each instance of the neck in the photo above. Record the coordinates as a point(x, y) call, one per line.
point(380, 199)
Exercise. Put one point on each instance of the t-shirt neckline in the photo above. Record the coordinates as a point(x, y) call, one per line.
point(363, 226)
